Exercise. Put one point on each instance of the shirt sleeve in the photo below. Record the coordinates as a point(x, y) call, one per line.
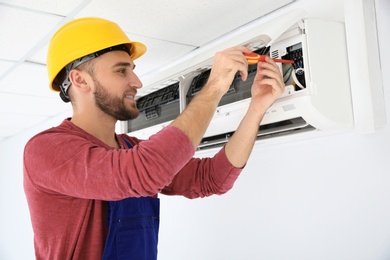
point(204, 177)
point(69, 163)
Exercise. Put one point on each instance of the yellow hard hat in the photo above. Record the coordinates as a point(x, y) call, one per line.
point(82, 37)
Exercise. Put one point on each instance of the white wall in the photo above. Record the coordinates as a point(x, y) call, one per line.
point(321, 198)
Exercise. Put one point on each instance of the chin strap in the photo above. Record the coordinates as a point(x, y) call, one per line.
point(63, 97)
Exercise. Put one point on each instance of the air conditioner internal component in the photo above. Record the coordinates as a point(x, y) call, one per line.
point(317, 87)
point(157, 107)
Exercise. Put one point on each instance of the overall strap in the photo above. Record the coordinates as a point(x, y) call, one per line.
point(127, 142)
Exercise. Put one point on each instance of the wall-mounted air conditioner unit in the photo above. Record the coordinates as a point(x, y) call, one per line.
point(317, 95)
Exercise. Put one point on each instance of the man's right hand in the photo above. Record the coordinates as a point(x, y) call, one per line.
point(195, 119)
point(225, 66)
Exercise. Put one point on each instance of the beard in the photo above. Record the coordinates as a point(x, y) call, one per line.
point(113, 106)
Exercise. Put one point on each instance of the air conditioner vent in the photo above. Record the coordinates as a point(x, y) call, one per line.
point(275, 54)
point(286, 127)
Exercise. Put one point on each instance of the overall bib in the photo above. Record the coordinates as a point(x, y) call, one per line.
point(133, 228)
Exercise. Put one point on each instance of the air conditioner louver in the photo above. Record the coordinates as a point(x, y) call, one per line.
point(286, 127)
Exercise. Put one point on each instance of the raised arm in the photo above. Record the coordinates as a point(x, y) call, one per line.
point(200, 178)
point(267, 87)
point(196, 117)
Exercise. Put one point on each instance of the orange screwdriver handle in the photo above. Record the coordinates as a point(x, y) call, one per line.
point(254, 58)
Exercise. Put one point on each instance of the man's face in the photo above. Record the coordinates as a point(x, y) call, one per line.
point(116, 85)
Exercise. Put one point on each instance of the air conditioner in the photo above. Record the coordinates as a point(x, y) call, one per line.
point(317, 96)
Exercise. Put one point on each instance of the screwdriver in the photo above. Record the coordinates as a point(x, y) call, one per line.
point(254, 58)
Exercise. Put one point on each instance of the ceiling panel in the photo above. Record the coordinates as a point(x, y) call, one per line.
point(186, 22)
point(158, 54)
point(34, 81)
point(48, 6)
point(5, 66)
point(39, 55)
point(27, 30)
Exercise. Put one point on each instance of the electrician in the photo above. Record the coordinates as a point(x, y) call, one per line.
point(93, 193)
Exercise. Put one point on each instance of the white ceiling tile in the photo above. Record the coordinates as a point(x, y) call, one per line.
point(29, 105)
point(28, 79)
point(39, 56)
point(27, 30)
point(159, 53)
point(187, 22)
point(5, 66)
point(48, 6)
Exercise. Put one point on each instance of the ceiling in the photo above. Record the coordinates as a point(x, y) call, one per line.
point(170, 29)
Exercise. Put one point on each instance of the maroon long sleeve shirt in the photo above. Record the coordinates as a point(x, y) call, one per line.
point(68, 174)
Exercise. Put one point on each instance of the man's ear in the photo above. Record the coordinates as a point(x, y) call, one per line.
point(79, 80)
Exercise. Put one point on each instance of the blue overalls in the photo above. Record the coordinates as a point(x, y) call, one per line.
point(133, 228)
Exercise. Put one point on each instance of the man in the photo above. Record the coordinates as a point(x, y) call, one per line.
point(71, 170)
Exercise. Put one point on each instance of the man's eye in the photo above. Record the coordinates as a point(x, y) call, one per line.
point(122, 71)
